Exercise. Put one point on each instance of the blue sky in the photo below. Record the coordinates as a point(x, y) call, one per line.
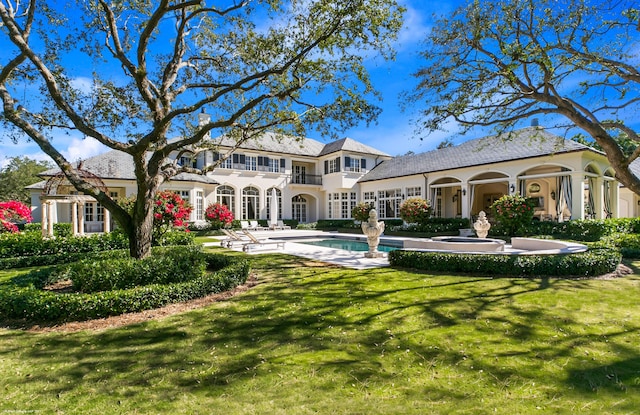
point(392, 134)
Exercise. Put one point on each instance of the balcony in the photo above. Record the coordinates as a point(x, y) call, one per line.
point(311, 179)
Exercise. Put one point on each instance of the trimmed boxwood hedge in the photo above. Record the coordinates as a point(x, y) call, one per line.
point(590, 263)
point(25, 298)
point(30, 249)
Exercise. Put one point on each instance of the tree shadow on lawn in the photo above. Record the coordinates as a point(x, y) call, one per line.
point(326, 317)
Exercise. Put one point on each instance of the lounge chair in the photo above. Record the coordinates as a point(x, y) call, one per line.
point(255, 242)
point(255, 226)
point(281, 225)
point(244, 224)
point(232, 237)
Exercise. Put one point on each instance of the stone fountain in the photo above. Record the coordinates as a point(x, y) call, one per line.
point(373, 229)
point(482, 225)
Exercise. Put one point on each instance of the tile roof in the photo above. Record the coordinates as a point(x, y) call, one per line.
point(115, 164)
point(278, 143)
point(521, 144)
point(349, 144)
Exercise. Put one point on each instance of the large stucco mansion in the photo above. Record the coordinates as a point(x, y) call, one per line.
point(314, 180)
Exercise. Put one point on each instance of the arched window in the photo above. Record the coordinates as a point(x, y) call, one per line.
point(250, 203)
point(226, 195)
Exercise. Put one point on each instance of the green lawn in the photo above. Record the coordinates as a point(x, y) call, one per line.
point(326, 340)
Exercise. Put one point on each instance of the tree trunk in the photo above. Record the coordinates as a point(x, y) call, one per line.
point(141, 232)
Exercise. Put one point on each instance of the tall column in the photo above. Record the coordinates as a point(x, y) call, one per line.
point(50, 207)
point(45, 218)
point(81, 218)
point(107, 221)
point(577, 198)
point(74, 218)
point(598, 197)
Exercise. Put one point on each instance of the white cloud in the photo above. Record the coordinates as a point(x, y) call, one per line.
point(83, 84)
point(81, 149)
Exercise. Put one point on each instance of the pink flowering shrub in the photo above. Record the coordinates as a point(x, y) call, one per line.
point(513, 213)
point(218, 215)
point(11, 212)
point(415, 210)
point(171, 211)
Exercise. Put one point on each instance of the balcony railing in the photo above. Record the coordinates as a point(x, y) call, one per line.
point(312, 179)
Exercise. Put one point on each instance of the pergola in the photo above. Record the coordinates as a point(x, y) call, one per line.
point(50, 200)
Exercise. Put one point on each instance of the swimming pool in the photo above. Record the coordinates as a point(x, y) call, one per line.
point(348, 245)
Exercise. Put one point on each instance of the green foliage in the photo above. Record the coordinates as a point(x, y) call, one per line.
point(263, 65)
point(590, 263)
point(415, 210)
point(165, 266)
point(25, 298)
point(495, 65)
point(513, 213)
point(17, 174)
point(436, 226)
point(30, 249)
point(361, 211)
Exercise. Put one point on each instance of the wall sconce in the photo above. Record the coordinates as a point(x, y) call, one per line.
point(464, 192)
point(455, 198)
point(512, 188)
point(553, 195)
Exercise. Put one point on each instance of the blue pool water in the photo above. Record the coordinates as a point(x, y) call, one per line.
point(348, 245)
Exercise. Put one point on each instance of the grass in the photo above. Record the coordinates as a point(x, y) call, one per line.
point(312, 339)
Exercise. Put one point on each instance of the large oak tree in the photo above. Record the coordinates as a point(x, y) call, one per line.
point(254, 65)
point(574, 63)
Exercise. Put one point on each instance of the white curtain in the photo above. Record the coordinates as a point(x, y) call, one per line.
point(591, 202)
point(434, 205)
point(564, 197)
point(607, 199)
point(472, 189)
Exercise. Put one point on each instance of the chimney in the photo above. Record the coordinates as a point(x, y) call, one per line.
point(203, 118)
point(535, 123)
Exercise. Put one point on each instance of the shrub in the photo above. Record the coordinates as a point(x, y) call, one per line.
point(361, 211)
point(26, 300)
point(218, 215)
point(170, 212)
point(513, 213)
point(164, 266)
point(591, 263)
point(415, 210)
point(11, 212)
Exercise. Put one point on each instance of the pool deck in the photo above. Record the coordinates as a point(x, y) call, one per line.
point(347, 259)
point(357, 260)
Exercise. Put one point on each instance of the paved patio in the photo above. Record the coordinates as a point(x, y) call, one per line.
point(347, 259)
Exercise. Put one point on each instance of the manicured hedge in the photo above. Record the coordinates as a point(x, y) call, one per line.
point(167, 265)
point(437, 225)
point(25, 298)
point(591, 263)
point(30, 249)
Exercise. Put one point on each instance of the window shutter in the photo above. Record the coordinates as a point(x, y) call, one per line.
point(363, 163)
point(216, 156)
point(260, 161)
point(282, 165)
point(265, 160)
point(347, 162)
point(236, 158)
point(242, 158)
point(326, 167)
point(338, 164)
